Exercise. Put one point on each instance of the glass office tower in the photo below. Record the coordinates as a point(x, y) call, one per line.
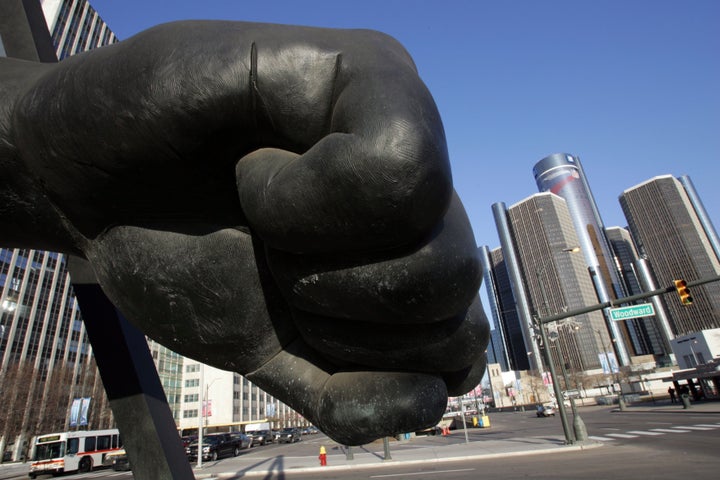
point(562, 174)
point(672, 230)
point(537, 274)
point(507, 344)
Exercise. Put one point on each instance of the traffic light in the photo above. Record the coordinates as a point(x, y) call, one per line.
point(683, 291)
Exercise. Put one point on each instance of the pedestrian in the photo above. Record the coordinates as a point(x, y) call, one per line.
point(671, 391)
point(323, 456)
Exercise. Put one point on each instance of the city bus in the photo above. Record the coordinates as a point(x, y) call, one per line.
point(70, 451)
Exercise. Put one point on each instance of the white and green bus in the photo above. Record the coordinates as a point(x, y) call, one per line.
point(73, 451)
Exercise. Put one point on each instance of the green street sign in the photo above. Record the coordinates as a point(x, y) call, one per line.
point(633, 311)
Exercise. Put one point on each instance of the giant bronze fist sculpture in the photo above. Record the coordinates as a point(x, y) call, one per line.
point(267, 199)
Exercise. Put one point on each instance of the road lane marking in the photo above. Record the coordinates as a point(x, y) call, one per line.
point(600, 439)
point(695, 427)
point(423, 473)
point(621, 435)
point(669, 430)
point(642, 432)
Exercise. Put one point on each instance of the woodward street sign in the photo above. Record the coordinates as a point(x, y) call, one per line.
point(633, 311)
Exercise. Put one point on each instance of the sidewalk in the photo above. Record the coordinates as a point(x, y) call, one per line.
point(664, 406)
point(409, 452)
point(406, 452)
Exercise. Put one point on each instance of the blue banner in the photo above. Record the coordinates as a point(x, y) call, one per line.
point(74, 412)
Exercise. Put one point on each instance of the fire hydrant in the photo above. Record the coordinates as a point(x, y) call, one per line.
point(323, 457)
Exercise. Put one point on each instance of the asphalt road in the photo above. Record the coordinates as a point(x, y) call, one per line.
point(634, 446)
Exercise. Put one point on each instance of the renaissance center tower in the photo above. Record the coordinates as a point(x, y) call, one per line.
point(562, 174)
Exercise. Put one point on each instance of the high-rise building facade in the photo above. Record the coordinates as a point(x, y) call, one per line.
point(545, 271)
point(75, 26)
point(45, 357)
point(671, 229)
point(515, 312)
point(626, 262)
point(507, 346)
point(563, 175)
point(556, 278)
point(170, 372)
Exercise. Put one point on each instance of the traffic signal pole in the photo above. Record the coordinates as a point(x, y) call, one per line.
point(620, 301)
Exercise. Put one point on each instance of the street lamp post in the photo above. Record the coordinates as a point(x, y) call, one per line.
point(580, 433)
point(550, 364)
point(202, 419)
point(579, 428)
point(204, 407)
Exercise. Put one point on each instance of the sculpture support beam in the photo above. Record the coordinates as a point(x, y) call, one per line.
point(132, 384)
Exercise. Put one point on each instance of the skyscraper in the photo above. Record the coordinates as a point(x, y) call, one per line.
point(507, 345)
point(45, 357)
point(514, 301)
point(553, 278)
point(563, 175)
point(672, 230)
point(626, 260)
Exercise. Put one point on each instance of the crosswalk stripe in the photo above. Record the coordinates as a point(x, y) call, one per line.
point(654, 431)
point(669, 430)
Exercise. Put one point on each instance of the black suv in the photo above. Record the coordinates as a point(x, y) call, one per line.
point(261, 437)
point(289, 435)
point(215, 445)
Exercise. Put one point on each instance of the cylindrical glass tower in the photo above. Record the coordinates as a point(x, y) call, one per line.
point(562, 174)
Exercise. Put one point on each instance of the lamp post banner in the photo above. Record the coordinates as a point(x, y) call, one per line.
point(75, 412)
point(609, 363)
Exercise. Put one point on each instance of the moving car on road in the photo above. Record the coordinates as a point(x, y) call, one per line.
point(289, 435)
point(546, 410)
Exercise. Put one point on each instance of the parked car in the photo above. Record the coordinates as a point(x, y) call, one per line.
point(261, 437)
point(546, 410)
point(214, 446)
point(188, 439)
point(311, 430)
point(289, 435)
point(244, 440)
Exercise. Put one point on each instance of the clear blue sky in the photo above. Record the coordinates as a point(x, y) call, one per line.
point(632, 87)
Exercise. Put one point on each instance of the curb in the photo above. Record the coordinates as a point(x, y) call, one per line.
point(542, 451)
